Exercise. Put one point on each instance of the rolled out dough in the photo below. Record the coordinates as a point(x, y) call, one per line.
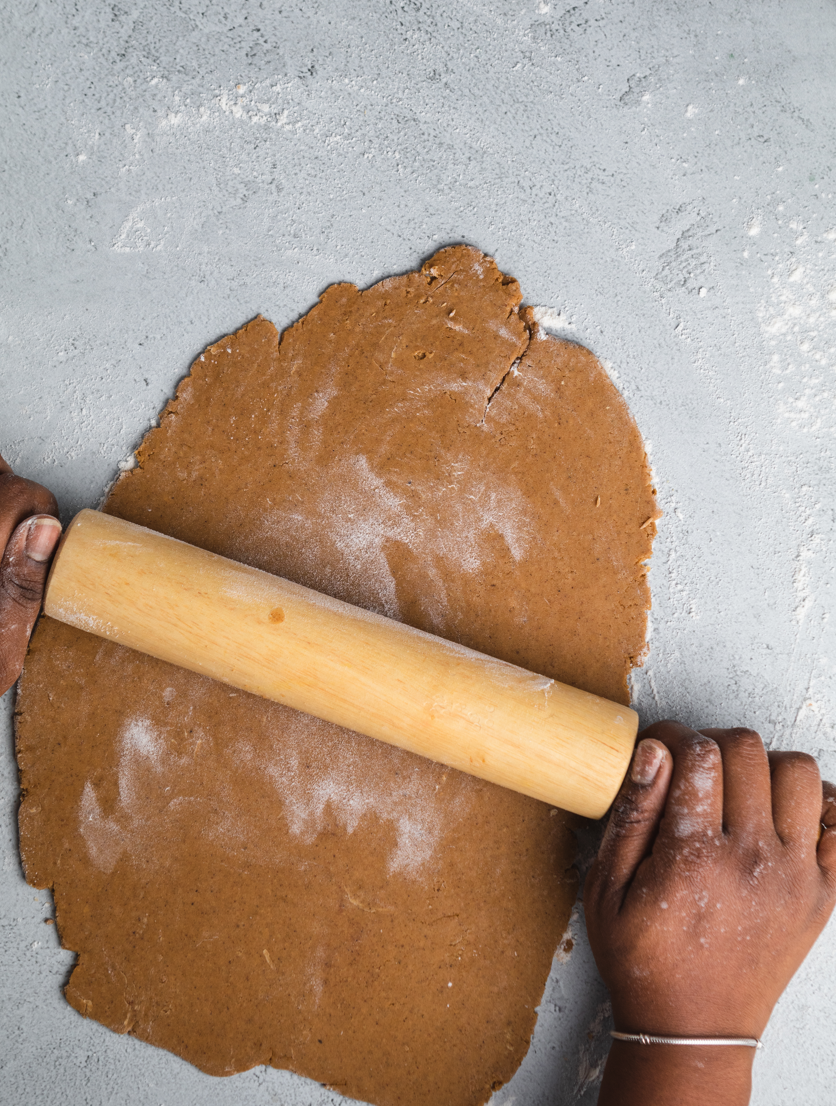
point(246, 885)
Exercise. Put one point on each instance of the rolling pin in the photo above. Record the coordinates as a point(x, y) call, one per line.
point(360, 670)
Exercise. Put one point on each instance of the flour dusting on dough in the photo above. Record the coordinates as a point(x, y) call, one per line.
point(141, 758)
point(353, 511)
point(342, 784)
point(103, 836)
point(140, 739)
point(307, 791)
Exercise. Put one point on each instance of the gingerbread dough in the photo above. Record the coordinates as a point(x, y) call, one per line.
point(247, 885)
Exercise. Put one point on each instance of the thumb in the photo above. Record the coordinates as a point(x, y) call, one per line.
point(23, 573)
point(635, 817)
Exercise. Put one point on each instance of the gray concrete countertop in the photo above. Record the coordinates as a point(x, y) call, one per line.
point(660, 176)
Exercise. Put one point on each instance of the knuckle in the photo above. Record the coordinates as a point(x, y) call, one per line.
point(20, 497)
point(628, 815)
point(801, 764)
point(703, 749)
point(744, 747)
point(15, 492)
point(746, 739)
point(21, 590)
point(753, 864)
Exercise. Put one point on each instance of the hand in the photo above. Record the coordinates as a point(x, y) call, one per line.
point(29, 533)
point(709, 890)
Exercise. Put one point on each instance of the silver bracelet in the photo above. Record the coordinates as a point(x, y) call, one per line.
point(653, 1039)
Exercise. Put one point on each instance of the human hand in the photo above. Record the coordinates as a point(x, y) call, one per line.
point(29, 533)
point(710, 888)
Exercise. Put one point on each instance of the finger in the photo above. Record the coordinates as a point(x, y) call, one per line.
point(827, 843)
point(796, 798)
point(23, 572)
point(20, 499)
point(694, 808)
point(747, 786)
point(634, 820)
point(4, 465)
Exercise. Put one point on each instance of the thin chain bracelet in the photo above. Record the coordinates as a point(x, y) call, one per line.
point(653, 1039)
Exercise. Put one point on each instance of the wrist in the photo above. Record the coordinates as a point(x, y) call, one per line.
point(695, 1018)
point(688, 1075)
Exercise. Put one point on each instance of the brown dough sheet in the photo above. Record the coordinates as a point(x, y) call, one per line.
point(247, 885)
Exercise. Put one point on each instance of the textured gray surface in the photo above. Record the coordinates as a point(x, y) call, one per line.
point(661, 176)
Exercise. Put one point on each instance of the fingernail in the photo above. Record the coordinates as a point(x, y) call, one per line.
point(41, 538)
point(648, 757)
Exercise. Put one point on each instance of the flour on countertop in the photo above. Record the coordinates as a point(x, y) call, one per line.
point(549, 319)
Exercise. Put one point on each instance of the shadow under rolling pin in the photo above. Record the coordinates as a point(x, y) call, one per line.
point(371, 674)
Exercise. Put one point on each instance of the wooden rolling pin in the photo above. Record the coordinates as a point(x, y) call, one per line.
point(274, 638)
